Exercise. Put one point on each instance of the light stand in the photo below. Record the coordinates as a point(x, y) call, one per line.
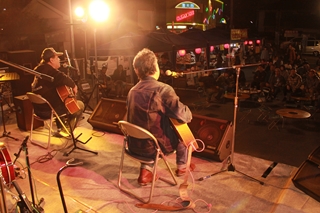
point(230, 166)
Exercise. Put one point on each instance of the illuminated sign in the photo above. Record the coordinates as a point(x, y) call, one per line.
point(239, 34)
point(185, 15)
point(187, 5)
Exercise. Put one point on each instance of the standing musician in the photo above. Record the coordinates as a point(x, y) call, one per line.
point(150, 105)
point(49, 65)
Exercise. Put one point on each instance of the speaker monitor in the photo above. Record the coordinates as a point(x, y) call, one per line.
point(24, 113)
point(216, 135)
point(107, 114)
point(307, 178)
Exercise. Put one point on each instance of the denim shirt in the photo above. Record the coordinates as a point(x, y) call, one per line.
point(150, 104)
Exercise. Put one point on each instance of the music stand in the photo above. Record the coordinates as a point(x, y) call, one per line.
point(229, 159)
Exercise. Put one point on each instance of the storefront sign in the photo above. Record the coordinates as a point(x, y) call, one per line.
point(185, 15)
point(187, 5)
point(239, 34)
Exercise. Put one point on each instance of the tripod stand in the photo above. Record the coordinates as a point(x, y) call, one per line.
point(5, 133)
point(229, 159)
point(87, 99)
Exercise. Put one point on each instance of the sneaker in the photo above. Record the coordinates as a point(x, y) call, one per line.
point(181, 172)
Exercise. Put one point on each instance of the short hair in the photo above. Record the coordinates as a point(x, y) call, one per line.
point(145, 63)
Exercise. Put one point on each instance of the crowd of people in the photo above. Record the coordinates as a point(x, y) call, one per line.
point(284, 73)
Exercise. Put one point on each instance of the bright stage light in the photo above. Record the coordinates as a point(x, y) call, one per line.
point(99, 10)
point(79, 11)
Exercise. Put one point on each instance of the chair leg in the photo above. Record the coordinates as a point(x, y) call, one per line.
point(174, 180)
point(148, 200)
point(49, 134)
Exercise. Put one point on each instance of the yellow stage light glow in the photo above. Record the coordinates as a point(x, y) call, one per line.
point(99, 11)
point(79, 11)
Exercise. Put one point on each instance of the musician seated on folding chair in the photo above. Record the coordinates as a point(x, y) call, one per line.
point(49, 65)
point(150, 104)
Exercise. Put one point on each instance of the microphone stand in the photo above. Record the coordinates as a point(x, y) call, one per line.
point(229, 159)
point(24, 147)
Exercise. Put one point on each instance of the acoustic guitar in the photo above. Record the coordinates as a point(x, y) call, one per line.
point(184, 133)
point(66, 95)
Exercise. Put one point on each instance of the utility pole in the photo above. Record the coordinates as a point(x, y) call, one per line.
point(71, 31)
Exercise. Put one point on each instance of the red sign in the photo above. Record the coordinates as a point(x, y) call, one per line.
point(185, 15)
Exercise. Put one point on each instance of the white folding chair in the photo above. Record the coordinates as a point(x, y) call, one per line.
point(131, 130)
point(38, 99)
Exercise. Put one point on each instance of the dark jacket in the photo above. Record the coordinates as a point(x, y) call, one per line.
point(150, 104)
point(48, 90)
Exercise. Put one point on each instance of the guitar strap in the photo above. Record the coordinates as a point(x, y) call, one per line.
point(186, 203)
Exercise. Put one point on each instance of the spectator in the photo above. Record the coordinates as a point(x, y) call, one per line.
point(276, 83)
point(303, 70)
point(208, 84)
point(259, 78)
point(284, 72)
point(105, 82)
point(165, 65)
point(225, 83)
point(265, 54)
point(219, 60)
point(119, 79)
point(311, 83)
point(294, 83)
point(298, 61)
point(291, 54)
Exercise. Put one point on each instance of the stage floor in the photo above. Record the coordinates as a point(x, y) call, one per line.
point(92, 186)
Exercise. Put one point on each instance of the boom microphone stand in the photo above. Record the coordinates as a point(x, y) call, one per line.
point(229, 159)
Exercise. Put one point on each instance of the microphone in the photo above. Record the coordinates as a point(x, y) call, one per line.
point(69, 66)
point(173, 74)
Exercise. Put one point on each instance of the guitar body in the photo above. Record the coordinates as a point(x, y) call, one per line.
point(184, 133)
point(6, 165)
point(66, 95)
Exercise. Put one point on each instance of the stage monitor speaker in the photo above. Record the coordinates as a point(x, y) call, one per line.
point(307, 178)
point(216, 135)
point(23, 108)
point(107, 114)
